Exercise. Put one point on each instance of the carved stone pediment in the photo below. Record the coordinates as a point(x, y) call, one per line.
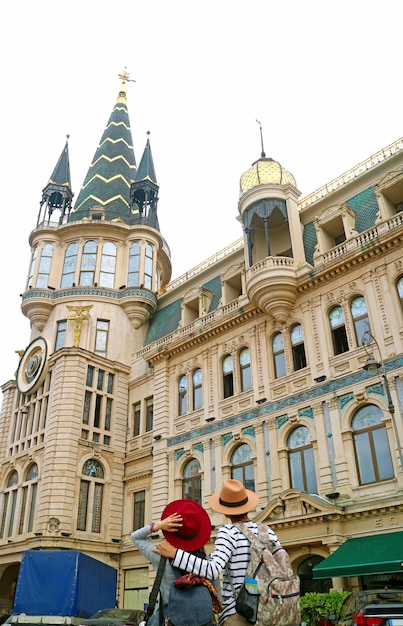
point(390, 178)
point(232, 271)
point(295, 504)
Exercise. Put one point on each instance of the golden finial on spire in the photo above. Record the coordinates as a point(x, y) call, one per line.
point(125, 77)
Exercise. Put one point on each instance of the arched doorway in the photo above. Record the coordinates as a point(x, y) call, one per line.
point(8, 581)
point(305, 575)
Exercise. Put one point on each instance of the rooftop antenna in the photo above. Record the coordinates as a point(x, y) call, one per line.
point(263, 154)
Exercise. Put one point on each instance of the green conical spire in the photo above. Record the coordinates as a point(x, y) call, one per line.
point(145, 170)
point(144, 191)
point(113, 168)
point(57, 195)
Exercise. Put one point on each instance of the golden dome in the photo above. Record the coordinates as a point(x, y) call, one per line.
point(265, 171)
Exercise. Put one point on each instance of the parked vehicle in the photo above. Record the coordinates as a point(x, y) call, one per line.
point(115, 617)
point(372, 608)
point(61, 587)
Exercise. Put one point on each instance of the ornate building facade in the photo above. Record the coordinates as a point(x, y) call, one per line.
point(278, 361)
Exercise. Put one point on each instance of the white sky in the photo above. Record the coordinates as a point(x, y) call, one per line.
point(324, 78)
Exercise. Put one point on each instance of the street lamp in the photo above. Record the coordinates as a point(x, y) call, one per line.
point(373, 366)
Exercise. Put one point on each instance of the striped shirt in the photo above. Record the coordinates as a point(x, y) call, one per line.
point(231, 549)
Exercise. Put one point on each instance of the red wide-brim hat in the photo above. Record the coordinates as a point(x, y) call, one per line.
point(196, 526)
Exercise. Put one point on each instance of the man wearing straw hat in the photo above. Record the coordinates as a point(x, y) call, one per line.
point(231, 553)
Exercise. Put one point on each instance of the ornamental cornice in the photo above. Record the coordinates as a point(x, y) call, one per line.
point(104, 292)
point(354, 252)
point(138, 476)
point(182, 340)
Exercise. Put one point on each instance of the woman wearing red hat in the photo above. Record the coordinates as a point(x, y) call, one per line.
point(231, 553)
point(186, 525)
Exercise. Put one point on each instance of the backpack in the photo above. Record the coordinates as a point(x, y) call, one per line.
point(189, 603)
point(278, 588)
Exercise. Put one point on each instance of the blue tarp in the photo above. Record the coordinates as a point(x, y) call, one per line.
point(63, 582)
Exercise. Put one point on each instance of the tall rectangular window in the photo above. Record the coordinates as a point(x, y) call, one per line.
point(139, 509)
point(136, 419)
point(149, 414)
point(98, 406)
point(60, 334)
point(101, 337)
point(136, 588)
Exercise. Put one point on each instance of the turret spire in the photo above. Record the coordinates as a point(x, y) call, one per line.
point(57, 194)
point(106, 187)
point(144, 191)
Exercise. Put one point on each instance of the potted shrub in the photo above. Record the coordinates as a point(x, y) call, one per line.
point(322, 609)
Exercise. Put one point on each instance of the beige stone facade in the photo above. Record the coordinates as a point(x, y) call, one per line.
point(250, 365)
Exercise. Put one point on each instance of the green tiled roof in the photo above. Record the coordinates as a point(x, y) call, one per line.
point(166, 320)
point(214, 286)
point(112, 170)
point(310, 241)
point(365, 207)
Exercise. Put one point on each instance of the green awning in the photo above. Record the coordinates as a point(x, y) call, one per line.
point(377, 554)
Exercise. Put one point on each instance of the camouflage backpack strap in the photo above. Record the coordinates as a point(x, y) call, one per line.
point(262, 539)
point(254, 540)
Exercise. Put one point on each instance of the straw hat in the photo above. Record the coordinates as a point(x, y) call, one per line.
point(233, 499)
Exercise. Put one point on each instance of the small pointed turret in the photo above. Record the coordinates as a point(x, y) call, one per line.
point(144, 190)
point(106, 187)
point(57, 194)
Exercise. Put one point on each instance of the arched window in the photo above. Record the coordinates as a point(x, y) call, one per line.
point(44, 265)
point(182, 395)
point(69, 267)
point(28, 503)
point(278, 355)
point(337, 326)
point(399, 286)
point(306, 577)
point(133, 277)
point(244, 365)
point(90, 497)
point(301, 460)
point(242, 466)
point(374, 461)
point(32, 268)
point(191, 481)
point(197, 389)
point(228, 376)
point(108, 265)
point(9, 505)
point(360, 318)
point(88, 264)
point(148, 266)
point(298, 347)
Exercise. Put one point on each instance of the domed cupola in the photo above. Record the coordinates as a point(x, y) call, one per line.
point(268, 209)
point(265, 171)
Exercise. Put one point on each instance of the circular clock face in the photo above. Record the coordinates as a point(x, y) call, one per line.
point(33, 366)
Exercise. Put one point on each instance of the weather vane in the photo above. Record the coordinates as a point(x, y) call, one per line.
point(125, 77)
point(263, 154)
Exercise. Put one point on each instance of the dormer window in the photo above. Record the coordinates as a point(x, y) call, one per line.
point(389, 192)
point(97, 213)
point(232, 284)
point(195, 304)
point(333, 227)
